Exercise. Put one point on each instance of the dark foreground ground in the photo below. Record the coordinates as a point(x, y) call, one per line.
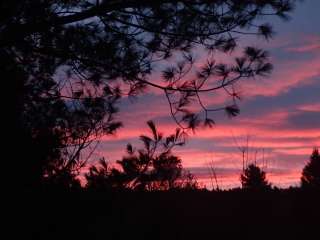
point(293, 214)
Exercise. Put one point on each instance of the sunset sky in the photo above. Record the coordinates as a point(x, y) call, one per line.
point(280, 114)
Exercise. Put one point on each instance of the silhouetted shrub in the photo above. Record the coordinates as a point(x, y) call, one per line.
point(102, 177)
point(152, 168)
point(63, 180)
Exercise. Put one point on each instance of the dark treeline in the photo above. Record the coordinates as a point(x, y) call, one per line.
point(162, 204)
point(277, 214)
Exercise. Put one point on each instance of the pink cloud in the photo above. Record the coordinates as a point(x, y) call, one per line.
point(311, 44)
point(287, 75)
point(312, 107)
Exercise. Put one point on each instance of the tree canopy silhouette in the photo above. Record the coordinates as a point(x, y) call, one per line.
point(311, 172)
point(69, 62)
point(254, 178)
point(152, 168)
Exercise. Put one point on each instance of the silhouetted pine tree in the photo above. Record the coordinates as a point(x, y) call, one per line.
point(152, 168)
point(67, 60)
point(254, 178)
point(311, 172)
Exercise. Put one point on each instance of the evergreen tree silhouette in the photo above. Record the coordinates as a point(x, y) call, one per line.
point(254, 178)
point(311, 172)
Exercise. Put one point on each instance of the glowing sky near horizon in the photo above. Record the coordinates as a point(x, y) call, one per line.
point(281, 113)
